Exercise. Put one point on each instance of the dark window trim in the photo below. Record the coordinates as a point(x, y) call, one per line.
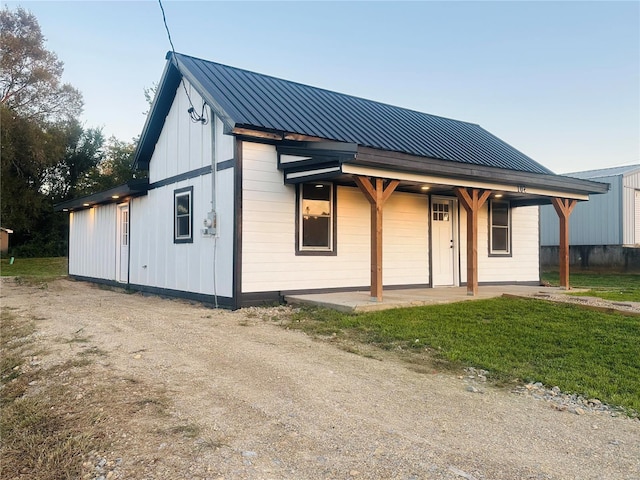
point(176, 193)
point(334, 225)
point(509, 227)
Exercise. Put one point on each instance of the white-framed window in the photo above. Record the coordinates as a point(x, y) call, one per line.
point(183, 215)
point(124, 241)
point(499, 228)
point(316, 219)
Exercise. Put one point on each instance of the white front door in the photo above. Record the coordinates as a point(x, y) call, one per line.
point(443, 242)
point(122, 244)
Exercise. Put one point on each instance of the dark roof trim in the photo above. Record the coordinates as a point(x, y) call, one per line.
point(204, 92)
point(156, 117)
point(133, 188)
point(370, 157)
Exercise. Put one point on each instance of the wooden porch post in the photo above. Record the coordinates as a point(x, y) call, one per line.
point(564, 207)
point(376, 195)
point(472, 200)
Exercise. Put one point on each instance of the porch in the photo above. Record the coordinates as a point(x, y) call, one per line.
point(361, 301)
point(472, 186)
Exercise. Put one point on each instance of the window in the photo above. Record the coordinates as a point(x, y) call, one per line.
point(500, 228)
point(440, 211)
point(183, 215)
point(125, 228)
point(315, 226)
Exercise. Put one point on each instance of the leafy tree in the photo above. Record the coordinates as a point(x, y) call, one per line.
point(27, 151)
point(30, 75)
point(71, 177)
point(117, 167)
point(47, 155)
point(36, 112)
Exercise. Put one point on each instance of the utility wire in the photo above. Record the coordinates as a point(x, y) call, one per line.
point(202, 118)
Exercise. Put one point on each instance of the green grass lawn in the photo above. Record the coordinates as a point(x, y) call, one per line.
point(609, 286)
point(34, 267)
point(590, 353)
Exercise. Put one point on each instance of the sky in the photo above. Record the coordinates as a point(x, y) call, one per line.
point(559, 81)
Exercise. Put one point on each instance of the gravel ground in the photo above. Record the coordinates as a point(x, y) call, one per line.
point(271, 403)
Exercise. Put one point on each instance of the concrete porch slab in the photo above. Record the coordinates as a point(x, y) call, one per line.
point(361, 301)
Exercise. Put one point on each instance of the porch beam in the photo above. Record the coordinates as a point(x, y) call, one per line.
point(564, 207)
point(376, 194)
point(472, 199)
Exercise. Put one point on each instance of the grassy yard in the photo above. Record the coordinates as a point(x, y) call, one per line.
point(590, 353)
point(609, 286)
point(38, 267)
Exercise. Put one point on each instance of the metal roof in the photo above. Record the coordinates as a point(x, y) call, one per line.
point(247, 99)
point(605, 172)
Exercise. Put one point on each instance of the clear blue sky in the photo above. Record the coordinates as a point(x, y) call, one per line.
point(560, 81)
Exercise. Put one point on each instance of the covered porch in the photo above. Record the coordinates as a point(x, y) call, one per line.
point(361, 300)
point(471, 186)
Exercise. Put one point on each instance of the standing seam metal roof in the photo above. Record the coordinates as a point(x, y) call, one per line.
point(261, 101)
point(604, 172)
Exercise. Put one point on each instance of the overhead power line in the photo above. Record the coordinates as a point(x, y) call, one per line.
point(195, 117)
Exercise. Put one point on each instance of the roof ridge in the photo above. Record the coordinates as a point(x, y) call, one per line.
point(332, 92)
point(621, 168)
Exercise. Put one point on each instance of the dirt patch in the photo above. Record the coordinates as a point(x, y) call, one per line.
point(182, 391)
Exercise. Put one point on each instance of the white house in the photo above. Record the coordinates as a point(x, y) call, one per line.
point(259, 187)
point(604, 232)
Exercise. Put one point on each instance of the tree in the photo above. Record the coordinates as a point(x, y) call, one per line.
point(28, 151)
point(114, 168)
point(30, 75)
point(36, 111)
point(47, 155)
point(117, 167)
point(150, 95)
point(71, 177)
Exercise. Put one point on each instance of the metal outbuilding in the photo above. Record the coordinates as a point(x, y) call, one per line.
point(601, 229)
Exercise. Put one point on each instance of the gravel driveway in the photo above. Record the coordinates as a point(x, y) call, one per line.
point(272, 403)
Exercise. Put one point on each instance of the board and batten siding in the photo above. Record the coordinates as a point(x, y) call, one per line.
point(523, 265)
point(269, 262)
point(92, 242)
point(183, 145)
point(631, 208)
point(155, 260)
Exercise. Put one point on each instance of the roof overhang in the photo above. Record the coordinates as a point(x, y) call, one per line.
point(340, 162)
point(133, 188)
point(157, 115)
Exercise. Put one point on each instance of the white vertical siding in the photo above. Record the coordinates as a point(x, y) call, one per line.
point(596, 222)
point(630, 226)
point(268, 234)
point(183, 145)
point(523, 265)
point(155, 260)
point(92, 242)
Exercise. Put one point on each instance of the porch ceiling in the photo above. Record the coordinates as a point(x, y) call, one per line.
point(340, 163)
